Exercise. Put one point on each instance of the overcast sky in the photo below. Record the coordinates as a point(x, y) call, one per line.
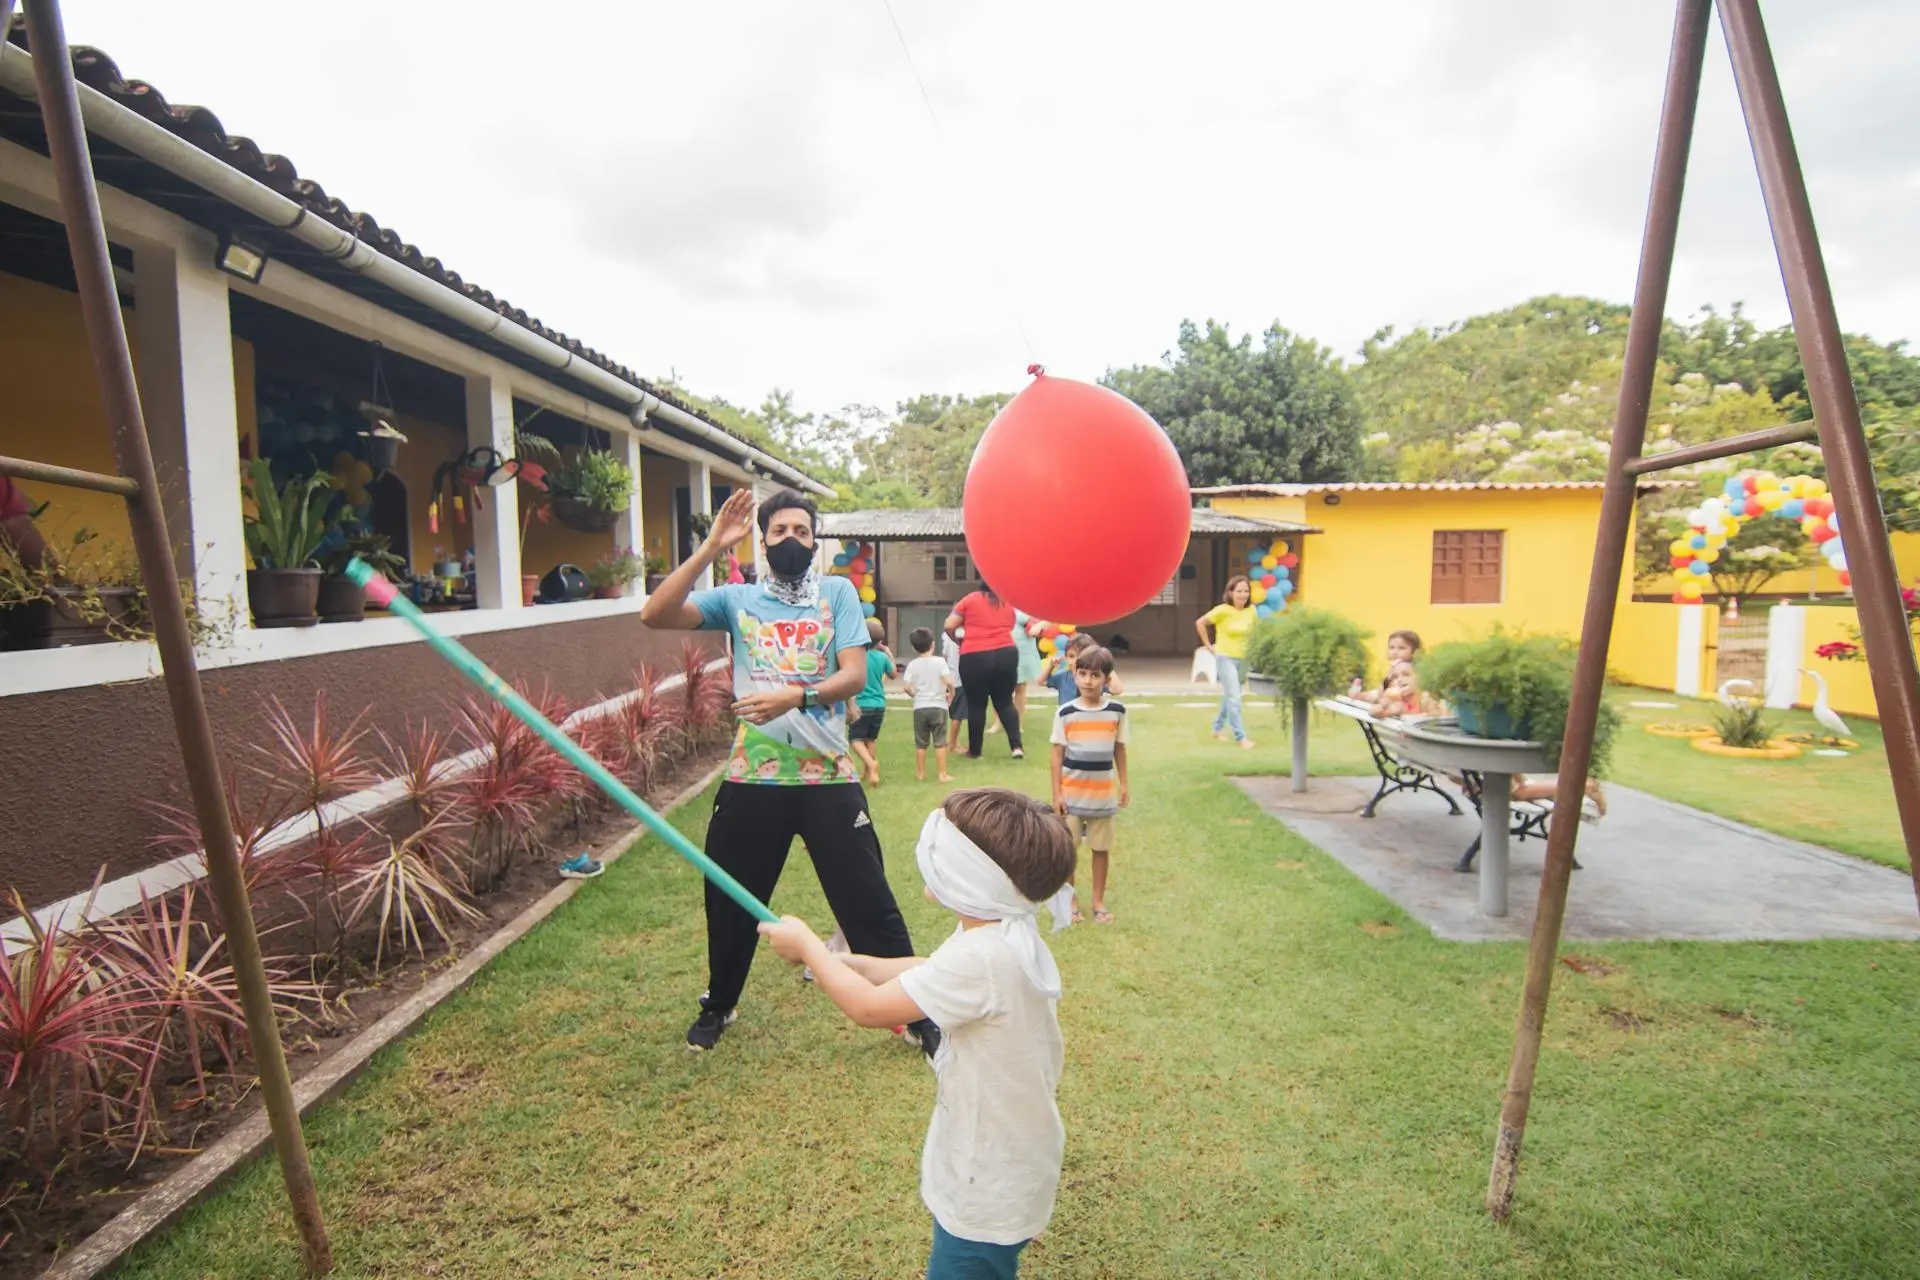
point(753, 195)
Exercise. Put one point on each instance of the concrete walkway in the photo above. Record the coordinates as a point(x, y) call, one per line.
point(1651, 870)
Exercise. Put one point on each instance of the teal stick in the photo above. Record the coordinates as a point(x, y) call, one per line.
point(382, 592)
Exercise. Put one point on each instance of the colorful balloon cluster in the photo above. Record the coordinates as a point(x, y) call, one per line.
point(856, 561)
point(1271, 570)
point(1748, 496)
point(1050, 635)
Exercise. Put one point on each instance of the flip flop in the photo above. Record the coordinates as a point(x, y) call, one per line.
point(1103, 917)
point(1077, 917)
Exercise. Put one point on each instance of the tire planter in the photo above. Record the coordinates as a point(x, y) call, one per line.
point(1815, 740)
point(56, 623)
point(284, 597)
point(341, 600)
point(1680, 730)
point(1776, 749)
point(578, 516)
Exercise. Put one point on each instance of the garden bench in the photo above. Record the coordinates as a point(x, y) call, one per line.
point(1529, 817)
point(1395, 774)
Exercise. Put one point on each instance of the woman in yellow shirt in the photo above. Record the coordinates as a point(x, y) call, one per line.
point(1232, 622)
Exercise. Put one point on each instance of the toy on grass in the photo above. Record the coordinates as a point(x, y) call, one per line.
point(382, 592)
point(1127, 524)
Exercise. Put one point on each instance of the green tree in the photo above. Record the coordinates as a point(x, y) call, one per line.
point(1280, 411)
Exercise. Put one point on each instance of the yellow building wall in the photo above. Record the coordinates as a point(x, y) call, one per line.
point(658, 477)
point(1645, 637)
point(1374, 560)
point(1849, 687)
point(50, 407)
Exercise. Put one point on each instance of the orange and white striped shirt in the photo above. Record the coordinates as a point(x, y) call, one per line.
point(1088, 781)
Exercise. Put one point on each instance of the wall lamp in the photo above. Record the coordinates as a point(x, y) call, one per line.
point(238, 257)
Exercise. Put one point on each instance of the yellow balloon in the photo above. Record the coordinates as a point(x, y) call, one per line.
point(1690, 588)
point(868, 595)
point(1269, 562)
point(1679, 546)
point(1816, 487)
point(1279, 547)
point(1259, 594)
point(1046, 647)
point(1772, 499)
point(1811, 525)
point(1709, 555)
point(1067, 628)
point(1764, 481)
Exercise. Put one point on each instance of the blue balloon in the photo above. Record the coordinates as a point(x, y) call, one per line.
point(1264, 609)
point(1736, 488)
point(1285, 589)
point(867, 609)
point(1255, 556)
point(842, 560)
point(1698, 542)
point(1282, 572)
point(1698, 568)
point(1793, 508)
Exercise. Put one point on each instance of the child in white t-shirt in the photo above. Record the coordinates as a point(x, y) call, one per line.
point(992, 1159)
point(930, 681)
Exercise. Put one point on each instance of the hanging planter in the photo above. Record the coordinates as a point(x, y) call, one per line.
point(590, 491)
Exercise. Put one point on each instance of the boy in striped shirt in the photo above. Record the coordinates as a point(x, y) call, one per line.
point(1090, 767)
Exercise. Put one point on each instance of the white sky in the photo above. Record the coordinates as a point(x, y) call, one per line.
point(752, 195)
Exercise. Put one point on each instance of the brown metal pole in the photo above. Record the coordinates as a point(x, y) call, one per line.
point(1751, 442)
point(1823, 353)
point(47, 473)
point(1609, 558)
point(100, 306)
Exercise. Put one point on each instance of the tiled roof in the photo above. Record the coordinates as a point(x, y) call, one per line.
point(1437, 486)
point(927, 523)
point(201, 127)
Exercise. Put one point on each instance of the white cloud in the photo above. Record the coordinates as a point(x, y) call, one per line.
point(752, 194)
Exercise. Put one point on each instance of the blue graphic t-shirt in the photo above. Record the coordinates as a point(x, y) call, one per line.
point(774, 645)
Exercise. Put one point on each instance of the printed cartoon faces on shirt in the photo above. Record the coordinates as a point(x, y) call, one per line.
point(784, 650)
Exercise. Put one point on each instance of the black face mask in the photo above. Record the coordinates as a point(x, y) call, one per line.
point(789, 558)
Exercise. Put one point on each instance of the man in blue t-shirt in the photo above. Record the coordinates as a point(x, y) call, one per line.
point(799, 656)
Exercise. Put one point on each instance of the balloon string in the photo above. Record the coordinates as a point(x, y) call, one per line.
point(926, 100)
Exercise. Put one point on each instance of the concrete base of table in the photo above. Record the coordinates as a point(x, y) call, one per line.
point(1653, 870)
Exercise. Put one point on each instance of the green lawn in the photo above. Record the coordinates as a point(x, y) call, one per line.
point(1271, 1071)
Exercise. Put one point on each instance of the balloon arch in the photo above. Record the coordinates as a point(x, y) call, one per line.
point(1749, 496)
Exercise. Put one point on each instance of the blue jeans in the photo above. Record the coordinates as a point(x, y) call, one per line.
point(957, 1259)
point(1228, 672)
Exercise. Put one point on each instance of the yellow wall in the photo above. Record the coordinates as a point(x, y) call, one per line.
point(1374, 560)
point(1645, 636)
point(1849, 687)
point(658, 477)
point(50, 408)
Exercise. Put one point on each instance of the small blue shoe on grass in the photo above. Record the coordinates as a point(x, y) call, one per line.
point(581, 868)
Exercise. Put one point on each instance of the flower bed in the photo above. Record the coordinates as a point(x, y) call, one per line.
point(1661, 729)
point(1775, 749)
point(151, 1064)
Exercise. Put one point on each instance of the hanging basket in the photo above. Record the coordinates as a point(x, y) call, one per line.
point(579, 516)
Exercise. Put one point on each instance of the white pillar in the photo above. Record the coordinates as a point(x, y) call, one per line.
point(700, 500)
point(1688, 652)
point(185, 338)
point(1786, 642)
point(630, 534)
point(496, 528)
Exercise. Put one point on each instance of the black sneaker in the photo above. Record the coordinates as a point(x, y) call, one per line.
point(923, 1035)
point(706, 1029)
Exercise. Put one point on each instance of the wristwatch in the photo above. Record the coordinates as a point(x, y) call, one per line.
point(808, 698)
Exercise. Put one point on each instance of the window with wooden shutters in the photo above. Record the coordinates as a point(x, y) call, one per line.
point(1466, 566)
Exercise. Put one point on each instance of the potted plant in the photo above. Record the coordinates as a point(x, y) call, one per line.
point(1514, 686)
point(611, 575)
point(78, 597)
point(656, 571)
point(284, 532)
point(341, 599)
point(1303, 654)
point(590, 491)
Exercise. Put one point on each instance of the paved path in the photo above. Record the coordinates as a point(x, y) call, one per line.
point(1652, 870)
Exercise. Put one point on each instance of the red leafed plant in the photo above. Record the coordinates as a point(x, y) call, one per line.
point(177, 968)
point(315, 762)
point(1838, 651)
point(656, 718)
point(706, 695)
point(65, 1030)
point(410, 894)
point(504, 792)
point(433, 788)
point(254, 813)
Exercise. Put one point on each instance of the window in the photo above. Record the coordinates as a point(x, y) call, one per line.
point(1466, 566)
point(960, 573)
point(1169, 594)
point(939, 568)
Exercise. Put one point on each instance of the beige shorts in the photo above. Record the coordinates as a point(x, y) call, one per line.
point(1097, 832)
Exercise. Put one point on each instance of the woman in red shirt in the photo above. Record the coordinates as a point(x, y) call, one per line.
point(989, 664)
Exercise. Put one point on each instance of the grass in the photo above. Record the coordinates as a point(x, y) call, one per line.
point(1271, 1071)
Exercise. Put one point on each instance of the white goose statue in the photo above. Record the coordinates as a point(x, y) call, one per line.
point(1822, 712)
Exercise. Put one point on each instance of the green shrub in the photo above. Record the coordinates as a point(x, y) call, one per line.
point(593, 478)
point(289, 521)
point(1744, 723)
point(1310, 653)
point(1531, 676)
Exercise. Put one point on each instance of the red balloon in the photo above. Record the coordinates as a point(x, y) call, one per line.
point(1289, 561)
point(1681, 562)
point(1753, 506)
point(857, 567)
point(1822, 507)
point(1824, 533)
point(1846, 579)
point(1028, 482)
point(1750, 482)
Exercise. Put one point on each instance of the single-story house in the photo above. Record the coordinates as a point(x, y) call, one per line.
point(262, 311)
point(922, 568)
